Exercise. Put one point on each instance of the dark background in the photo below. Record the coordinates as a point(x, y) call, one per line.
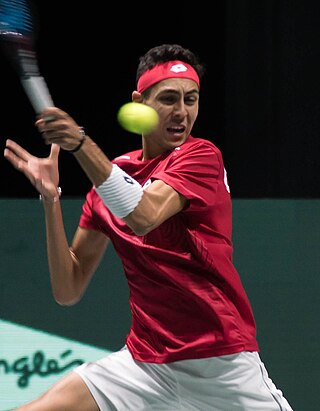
point(259, 99)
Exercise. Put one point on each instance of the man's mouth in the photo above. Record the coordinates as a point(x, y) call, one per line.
point(176, 129)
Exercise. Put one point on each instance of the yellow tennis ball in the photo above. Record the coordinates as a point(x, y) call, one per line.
point(138, 118)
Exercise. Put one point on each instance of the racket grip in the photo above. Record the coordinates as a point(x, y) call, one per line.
point(38, 93)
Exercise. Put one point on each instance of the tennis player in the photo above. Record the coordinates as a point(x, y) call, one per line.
point(166, 208)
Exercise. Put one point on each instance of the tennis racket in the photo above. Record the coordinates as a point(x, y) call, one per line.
point(17, 39)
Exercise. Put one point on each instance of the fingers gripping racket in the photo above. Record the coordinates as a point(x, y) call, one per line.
point(17, 39)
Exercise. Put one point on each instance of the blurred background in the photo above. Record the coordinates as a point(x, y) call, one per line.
point(259, 99)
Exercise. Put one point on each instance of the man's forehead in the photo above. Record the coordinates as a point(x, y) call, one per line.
point(176, 84)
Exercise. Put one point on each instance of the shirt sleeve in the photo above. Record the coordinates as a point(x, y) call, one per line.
point(86, 219)
point(195, 172)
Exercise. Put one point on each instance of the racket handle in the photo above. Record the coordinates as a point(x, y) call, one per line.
point(38, 93)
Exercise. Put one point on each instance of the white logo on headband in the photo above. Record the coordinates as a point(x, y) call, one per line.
point(178, 68)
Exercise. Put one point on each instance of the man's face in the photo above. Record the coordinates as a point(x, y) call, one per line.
point(177, 102)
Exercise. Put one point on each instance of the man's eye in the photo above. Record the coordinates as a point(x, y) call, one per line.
point(167, 99)
point(190, 101)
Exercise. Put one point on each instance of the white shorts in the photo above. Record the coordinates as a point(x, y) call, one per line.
point(227, 383)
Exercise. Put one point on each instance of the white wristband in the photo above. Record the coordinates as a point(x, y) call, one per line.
point(120, 192)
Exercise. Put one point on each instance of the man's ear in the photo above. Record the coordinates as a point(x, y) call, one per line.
point(137, 97)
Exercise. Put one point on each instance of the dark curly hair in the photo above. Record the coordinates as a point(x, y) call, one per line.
point(168, 52)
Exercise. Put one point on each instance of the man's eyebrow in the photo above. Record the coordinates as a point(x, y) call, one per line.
point(174, 91)
point(193, 91)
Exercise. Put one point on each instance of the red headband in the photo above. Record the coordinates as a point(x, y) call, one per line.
point(170, 69)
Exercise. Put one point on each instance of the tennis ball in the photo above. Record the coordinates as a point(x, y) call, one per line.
point(138, 118)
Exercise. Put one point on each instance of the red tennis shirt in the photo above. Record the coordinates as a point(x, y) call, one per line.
point(186, 297)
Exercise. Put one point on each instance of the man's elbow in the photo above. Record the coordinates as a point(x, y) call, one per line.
point(140, 225)
point(64, 298)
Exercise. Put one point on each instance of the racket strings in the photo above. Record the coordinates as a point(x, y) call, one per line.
point(15, 17)
point(17, 40)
